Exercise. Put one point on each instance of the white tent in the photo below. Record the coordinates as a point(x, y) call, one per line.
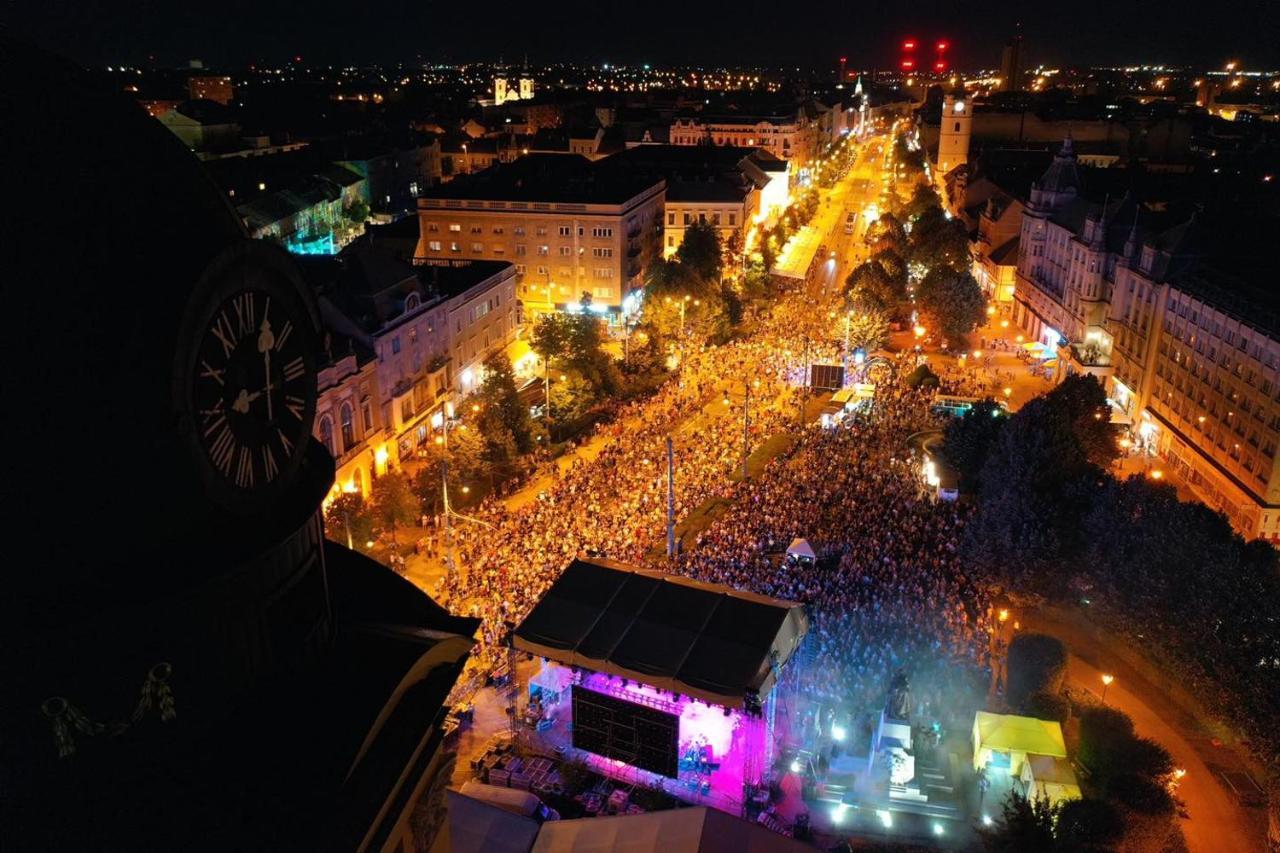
point(802, 549)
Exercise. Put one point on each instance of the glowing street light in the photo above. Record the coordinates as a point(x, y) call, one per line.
point(1008, 392)
point(1106, 682)
point(1004, 615)
point(1157, 474)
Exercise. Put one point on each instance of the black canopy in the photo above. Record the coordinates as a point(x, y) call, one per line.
point(704, 640)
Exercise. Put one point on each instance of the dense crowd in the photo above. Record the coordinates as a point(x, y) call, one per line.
point(887, 593)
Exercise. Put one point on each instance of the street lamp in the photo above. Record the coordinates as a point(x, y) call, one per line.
point(1106, 682)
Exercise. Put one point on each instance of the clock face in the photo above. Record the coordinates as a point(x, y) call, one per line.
point(252, 389)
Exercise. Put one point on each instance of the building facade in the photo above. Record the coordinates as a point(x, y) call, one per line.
point(791, 136)
point(569, 227)
point(953, 136)
point(1189, 356)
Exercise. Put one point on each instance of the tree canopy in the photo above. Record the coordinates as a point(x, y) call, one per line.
point(953, 301)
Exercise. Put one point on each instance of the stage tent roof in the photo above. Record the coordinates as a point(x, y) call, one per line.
point(695, 830)
point(704, 640)
point(1010, 733)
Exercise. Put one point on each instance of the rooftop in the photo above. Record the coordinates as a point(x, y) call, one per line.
point(564, 178)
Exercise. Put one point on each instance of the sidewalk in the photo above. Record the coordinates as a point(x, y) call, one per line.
point(1160, 711)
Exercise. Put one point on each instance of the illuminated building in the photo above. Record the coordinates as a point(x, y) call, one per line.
point(505, 92)
point(404, 342)
point(202, 125)
point(568, 225)
point(732, 188)
point(995, 247)
point(791, 135)
point(1188, 351)
point(953, 135)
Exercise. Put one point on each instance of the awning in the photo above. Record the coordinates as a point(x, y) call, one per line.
point(707, 641)
point(1011, 733)
point(801, 548)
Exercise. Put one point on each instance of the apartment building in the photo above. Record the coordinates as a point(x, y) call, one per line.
point(1188, 351)
point(569, 227)
point(791, 135)
point(728, 187)
point(403, 344)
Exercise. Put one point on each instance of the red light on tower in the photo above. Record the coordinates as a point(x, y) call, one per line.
point(942, 46)
point(909, 44)
point(940, 63)
point(939, 66)
point(908, 64)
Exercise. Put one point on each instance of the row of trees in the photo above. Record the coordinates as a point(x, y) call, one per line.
point(925, 265)
point(1051, 520)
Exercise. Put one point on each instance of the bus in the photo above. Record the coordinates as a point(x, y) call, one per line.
point(956, 406)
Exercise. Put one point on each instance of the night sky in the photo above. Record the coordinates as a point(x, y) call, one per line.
point(237, 32)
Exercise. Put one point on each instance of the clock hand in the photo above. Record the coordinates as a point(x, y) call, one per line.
point(266, 356)
point(242, 401)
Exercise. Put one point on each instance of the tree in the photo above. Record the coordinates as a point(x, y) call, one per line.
point(921, 200)
point(347, 519)
point(887, 234)
point(1037, 664)
point(937, 241)
point(869, 288)
point(1088, 824)
point(967, 441)
point(394, 503)
point(571, 397)
point(868, 330)
point(357, 211)
point(427, 483)
point(1046, 706)
point(700, 252)
point(584, 352)
point(549, 336)
point(1024, 826)
point(921, 377)
point(500, 402)
point(1081, 401)
point(894, 266)
point(954, 302)
point(1027, 524)
point(1105, 734)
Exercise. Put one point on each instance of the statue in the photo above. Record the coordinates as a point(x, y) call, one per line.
point(898, 706)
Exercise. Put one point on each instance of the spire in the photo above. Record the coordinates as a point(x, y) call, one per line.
point(1131, 244)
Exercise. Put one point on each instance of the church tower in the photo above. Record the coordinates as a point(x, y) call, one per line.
point(526, 88)
point(953, 135)
point(500, 90)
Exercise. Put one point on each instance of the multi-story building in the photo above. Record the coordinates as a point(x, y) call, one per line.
point(790, 135)
point(1189, 354)
point(953, 137)
point(995, 247)
point(404, 344)
point(725, 186)
point(568, 225)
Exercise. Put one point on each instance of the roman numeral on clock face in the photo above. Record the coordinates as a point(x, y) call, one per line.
point(244, 469)
point(294, 405)
point(222, 450)
point(207, 371)
point(222, 330)
point(243, 305)
point(269, 463)
point(294, 369)
point(283, 334)
point(284, 440)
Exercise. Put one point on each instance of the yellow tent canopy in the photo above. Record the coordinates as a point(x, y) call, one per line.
point(1010, 733)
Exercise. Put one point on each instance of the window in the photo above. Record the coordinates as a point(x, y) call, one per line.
point(605, 252)
point(366, 415)
point(601, 232)
point(521, 248)
point(542, 231)
point(348, 426)
point(544, 250)
point(326, 434)
point(477, 247)
point(395, 345)
point(498, 229)
point(518, 230)
point(542, 270)
point(434, 245)
point(498, 248)
point(476, 229)
point(686, 219)
point(671, 242)
point(566, 251)
point(566, 231)
point(602, 292)
point(602, 272)
point(715, 218)
point(454, 247)
point(455, 227)
point(411, 302)
point(671, 218)
point(520, 268)
point(433, 227)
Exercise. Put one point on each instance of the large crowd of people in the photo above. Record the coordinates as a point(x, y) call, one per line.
point(887, 593)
